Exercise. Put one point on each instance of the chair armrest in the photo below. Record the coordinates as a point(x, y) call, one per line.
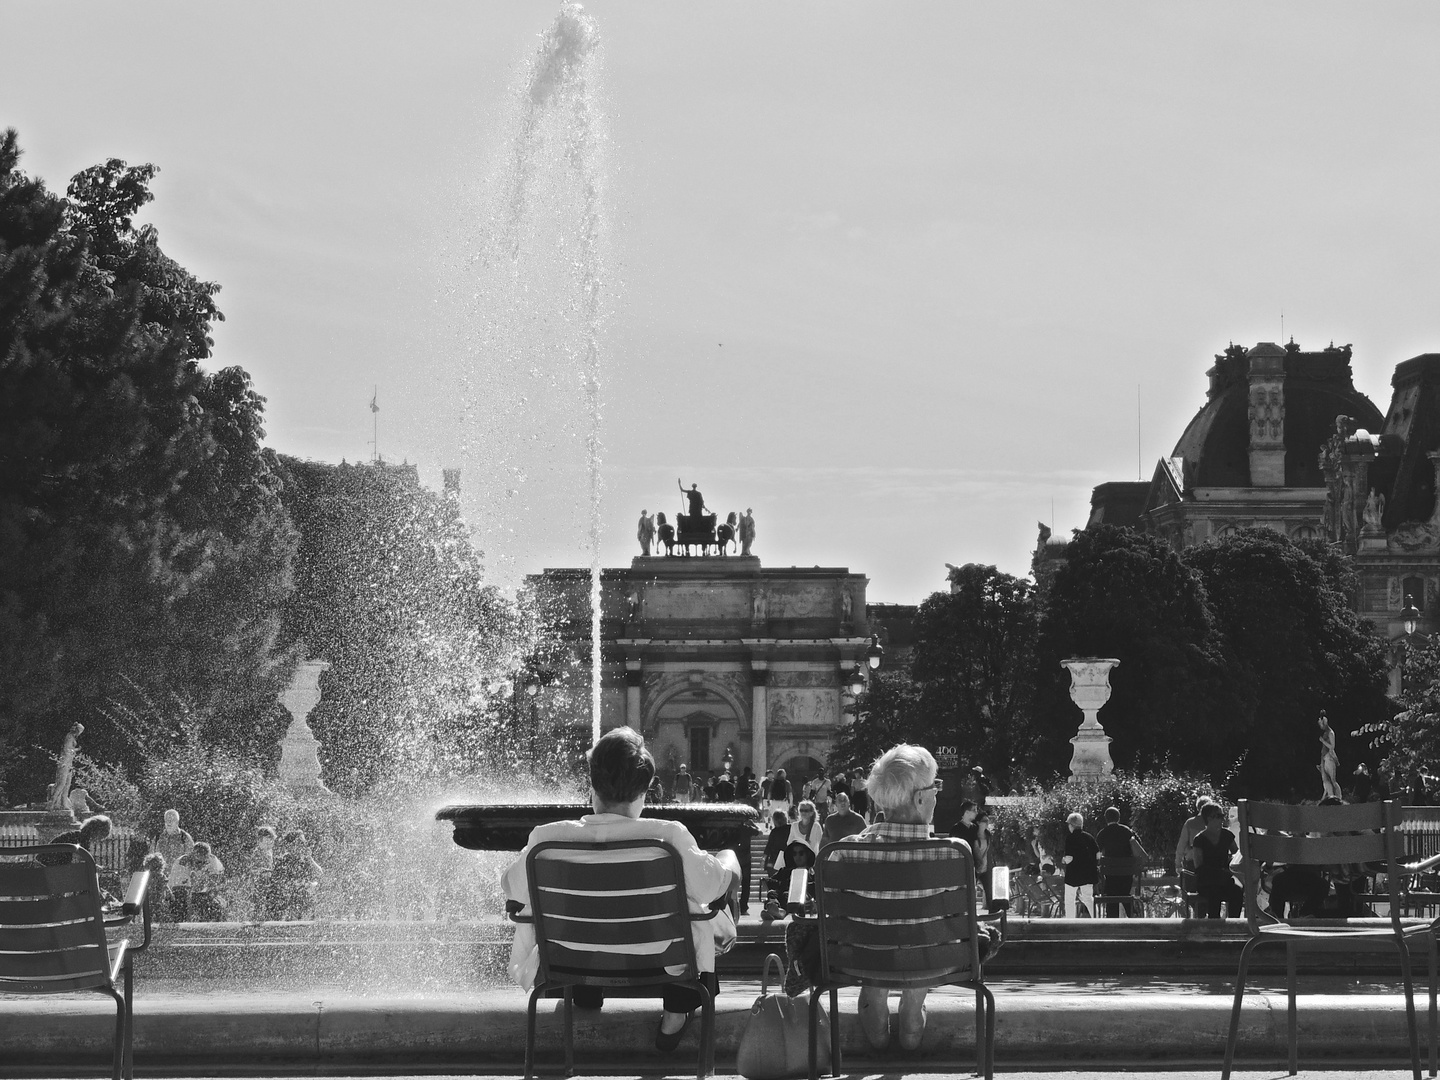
point(136, 893)
point(1423, 866)
point(513, 908)
point(137, 902)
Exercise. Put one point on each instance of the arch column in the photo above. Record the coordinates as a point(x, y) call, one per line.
point(759, 716)
point(634, 678)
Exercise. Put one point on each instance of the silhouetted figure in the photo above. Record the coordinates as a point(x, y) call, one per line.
point(667, 532)
point(726, 533)
point(697, 501)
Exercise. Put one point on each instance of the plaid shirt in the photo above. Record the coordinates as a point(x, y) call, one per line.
point(891, 832)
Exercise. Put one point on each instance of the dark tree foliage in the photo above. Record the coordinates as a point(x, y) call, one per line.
point(1296, 646)
point(1407, 742)
point(974, 662)
point(885, 714)
point(1127, 595)
point(143, 547)
point(390, 591)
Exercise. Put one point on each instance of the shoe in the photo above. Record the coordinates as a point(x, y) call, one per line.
point(912, 1030)
point(669, 1043)
point(875, 1022)
point(588, 997)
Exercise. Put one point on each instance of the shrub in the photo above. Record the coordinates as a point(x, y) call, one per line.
point(1154, 806)
point(221, 799)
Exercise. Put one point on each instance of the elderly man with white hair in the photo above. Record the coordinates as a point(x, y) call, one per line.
point(902, 783)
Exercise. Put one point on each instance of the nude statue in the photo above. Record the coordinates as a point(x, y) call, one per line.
point(1329, 763)
point(65, 770)
point(646, 532)
point(747, 531)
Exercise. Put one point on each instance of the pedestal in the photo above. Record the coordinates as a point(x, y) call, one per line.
point(1090, 690)
point(299, 749)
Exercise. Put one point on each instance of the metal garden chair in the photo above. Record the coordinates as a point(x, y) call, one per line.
point(612, 915)
point(901, 916)
point(1328, 836)
point(52, 934)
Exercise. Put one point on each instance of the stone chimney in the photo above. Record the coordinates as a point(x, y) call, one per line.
point(1267, 415)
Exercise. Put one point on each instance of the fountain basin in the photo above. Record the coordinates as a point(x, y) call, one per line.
point(506, 826)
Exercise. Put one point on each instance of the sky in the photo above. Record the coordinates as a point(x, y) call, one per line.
point(906, 278)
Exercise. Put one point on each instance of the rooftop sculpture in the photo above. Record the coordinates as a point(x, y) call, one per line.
point(697, 530)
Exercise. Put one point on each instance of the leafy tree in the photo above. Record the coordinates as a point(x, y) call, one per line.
point(1296, 647)
point(886, 713)
point(143, 546)
point(1408, 740)
point(389, 590)
point(1124, 594)
point(974, 661)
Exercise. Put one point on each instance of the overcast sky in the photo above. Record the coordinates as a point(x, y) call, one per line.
point(894, 274)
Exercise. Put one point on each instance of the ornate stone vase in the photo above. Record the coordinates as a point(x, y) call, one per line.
point(506, 826)
point(1090, 690)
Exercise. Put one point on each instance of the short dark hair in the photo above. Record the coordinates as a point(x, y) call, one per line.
point(620, 767)
point(1112, 814)
point(1211, 810)
point(264, 830)
point(968, 804)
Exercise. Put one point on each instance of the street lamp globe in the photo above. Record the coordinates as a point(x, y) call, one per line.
point(1410, 616)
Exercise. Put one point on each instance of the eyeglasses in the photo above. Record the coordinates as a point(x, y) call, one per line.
point(938, 786)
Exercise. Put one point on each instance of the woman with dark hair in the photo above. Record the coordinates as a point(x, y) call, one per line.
point(621, 769)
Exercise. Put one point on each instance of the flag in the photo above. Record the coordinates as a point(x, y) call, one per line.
point(374, 407)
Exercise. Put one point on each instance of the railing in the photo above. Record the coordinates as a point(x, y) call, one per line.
point(109, 854)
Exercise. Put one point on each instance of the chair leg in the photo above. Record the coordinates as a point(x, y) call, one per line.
point(569, 1031)
point(530, 1034)
point(1404, 948)
point(980, 1040)
point(129, 1064)
point(118, 1058)
point(989, 1032)
point(815, 1033)
point(1432, 951)
point(1235, 1011)
point(1291, 1025)
point(707, 1033)
point(834, 1031)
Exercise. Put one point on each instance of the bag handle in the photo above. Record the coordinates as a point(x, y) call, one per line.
point(773, 958)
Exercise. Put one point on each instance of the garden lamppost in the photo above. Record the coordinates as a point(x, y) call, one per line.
point(1409, 615)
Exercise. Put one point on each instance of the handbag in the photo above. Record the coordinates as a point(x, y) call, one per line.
point(776, 1042)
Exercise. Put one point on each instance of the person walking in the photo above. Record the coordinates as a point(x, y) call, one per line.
point(1081, 868)
point(1118, 841)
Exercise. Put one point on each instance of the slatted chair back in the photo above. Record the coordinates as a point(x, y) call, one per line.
point(52, 929)
point(612, 914)
point(1319, 836)
point(897, 914)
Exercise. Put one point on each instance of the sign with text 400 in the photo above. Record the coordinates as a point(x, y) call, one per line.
point(947, 757)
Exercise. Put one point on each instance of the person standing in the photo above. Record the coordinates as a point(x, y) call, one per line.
point(1118, 841)
point(646, 532)
point(1081, 868)
point(684, 787)
point(842, 822)
point(780, 792)
point(1213, 849)
point(173, 842)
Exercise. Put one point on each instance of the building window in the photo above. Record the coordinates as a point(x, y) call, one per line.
point(700, 750)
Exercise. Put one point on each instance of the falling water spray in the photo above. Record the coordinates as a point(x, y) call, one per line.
point(542, 291)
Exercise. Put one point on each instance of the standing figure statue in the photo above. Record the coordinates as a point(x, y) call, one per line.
point(697, 501)
point(646, 533)
point(747, 531)
point(65, 770)
point(1374, 511)
point(1329, 764)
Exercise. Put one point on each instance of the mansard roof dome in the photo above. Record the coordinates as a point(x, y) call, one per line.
point(1317, 387)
